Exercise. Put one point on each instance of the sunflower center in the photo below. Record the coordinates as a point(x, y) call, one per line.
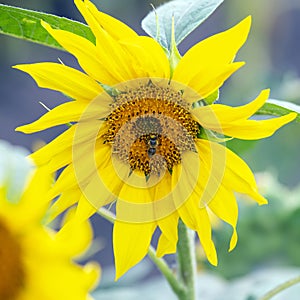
point(149, 127)
point(11, 268)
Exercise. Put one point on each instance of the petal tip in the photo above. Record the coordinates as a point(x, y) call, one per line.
point(247, 22)
point(20, 67)
point(233, 240)
point(213, 260)
point(16, 66)
point(21, 129)
point(265, 202)
point(244, 26)
point(119, 274)
point(265, 93)
point(25, 129)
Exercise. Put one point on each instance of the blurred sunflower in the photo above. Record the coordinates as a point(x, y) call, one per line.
point(144, 135)
point(36, 263)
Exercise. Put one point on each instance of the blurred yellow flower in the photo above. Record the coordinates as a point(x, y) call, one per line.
point(148, 143)
point(35, 262)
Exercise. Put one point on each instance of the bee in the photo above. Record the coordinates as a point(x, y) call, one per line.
point(152, 144)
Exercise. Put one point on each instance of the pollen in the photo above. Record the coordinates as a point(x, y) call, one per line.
point(11, 268)
point(149, 127)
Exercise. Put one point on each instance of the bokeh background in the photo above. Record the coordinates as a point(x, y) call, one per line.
point(272, 54)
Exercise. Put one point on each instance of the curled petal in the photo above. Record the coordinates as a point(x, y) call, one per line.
point(233, 121)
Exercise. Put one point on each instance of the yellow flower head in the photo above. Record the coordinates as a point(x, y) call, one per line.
point(143, 135)
point(36, 263)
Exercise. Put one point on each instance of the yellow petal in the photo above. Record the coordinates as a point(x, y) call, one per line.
point(240, 178)
point(66, 180)
point(86, 53)
point(115, 56)
point(117, 29)
point(253, 130)
point(97, 176)
point(67, 113)
point(131, 243)
point(219, 49)
point(185, 179)
point(212, 167)
point(224, 205)
point(197, 219)
point(69, 81)
point(66, 200)
point(97, 193)
point(168, 225)
point(94, 274)
point(41, 282)
point(148, 57)
point(232, 121)
point(161, 193)
point(160, 187)
point(209, 80)
point(60, 160)
point(210, 114)
point(165, 246)
point(236, 175)
point(62, 114)
point(67, 139)
point(111, 52)
point(135, 205)
point(169, 237)
point(85, 209)
point(39, 185)
point(80, 172)
point(59, 144)
point(204, 234)
point(76, 240)
point(112, 56)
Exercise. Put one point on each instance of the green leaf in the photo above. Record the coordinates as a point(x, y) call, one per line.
point(26, 24)
point(279, 108)
point(188, 15)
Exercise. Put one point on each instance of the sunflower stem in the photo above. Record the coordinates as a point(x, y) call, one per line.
point(176, 286)
point(186, 258)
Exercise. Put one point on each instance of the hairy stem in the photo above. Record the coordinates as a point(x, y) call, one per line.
point(186, 261)
point(176, 286)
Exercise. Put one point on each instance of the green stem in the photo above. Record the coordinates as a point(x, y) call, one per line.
point(280, 288)
point(176, 286)
point(186, 261)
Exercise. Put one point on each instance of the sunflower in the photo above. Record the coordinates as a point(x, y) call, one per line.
point(143, 136)
point(36, 263)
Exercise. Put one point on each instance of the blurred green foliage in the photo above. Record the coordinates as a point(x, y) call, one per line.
point(268, 235)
